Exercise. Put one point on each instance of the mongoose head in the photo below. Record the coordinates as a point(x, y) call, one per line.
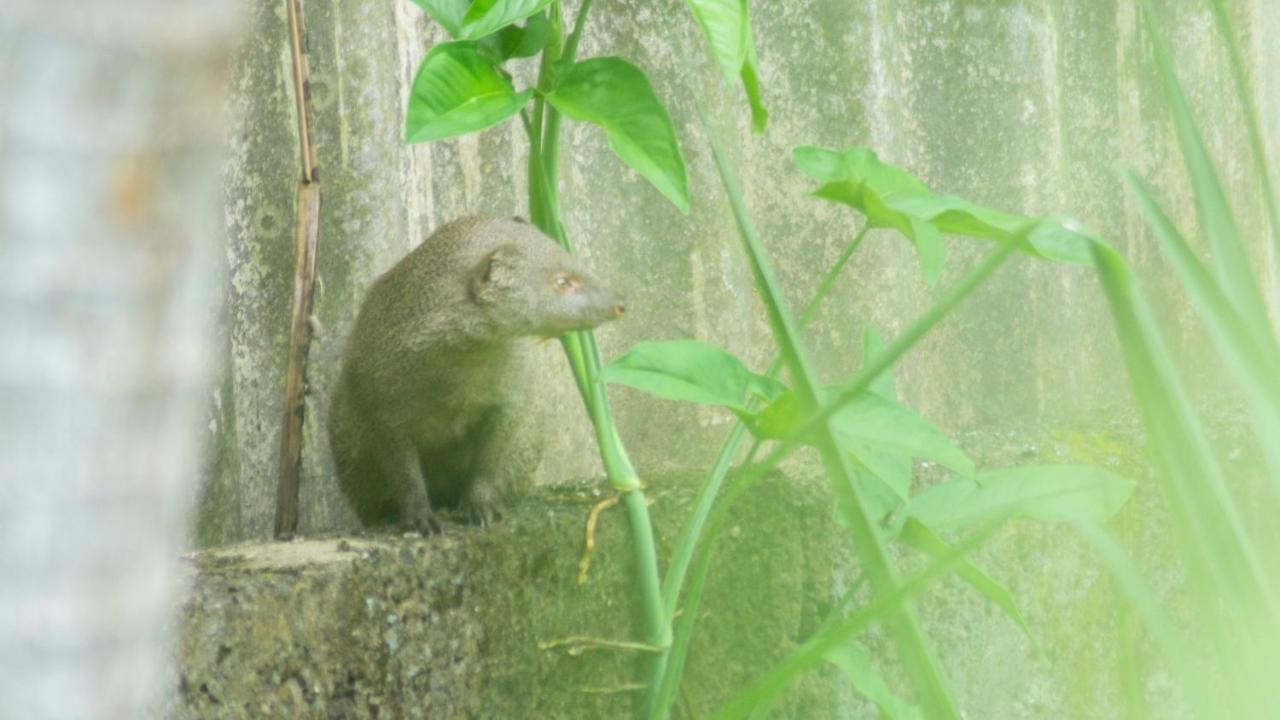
point(529, 286)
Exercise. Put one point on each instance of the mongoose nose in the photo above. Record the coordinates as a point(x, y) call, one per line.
point(619, 309)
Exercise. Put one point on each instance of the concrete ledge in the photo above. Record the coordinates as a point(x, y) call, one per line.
point(450, 626)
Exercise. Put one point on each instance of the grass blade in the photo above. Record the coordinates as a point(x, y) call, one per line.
point(1249, 110)
point(1253, 357)
point(1231, 262)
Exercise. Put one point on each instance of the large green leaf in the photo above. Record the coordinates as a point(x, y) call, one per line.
point(474, 19)
point(489, 16)
point(891, 197)
point(1042, 492)
point(458, 91)
point(516, 41)
point(867, 426)
point(614, 94)
point(727, 27)
point(449, 13)
point(692, 371)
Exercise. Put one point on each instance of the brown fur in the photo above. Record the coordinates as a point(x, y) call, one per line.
point(433, 371)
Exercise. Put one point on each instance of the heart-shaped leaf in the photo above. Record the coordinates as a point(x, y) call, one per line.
point(866, 426)
point(516, 41)
point(1042, 492)
point(692, 371)
point(891, 197)
point(457, 91)
point(614, 94)
point(449, 13)
point(727, 27)
point(489, 16)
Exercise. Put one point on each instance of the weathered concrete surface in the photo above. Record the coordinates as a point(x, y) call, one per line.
point(450, 627)
point(1028, 105)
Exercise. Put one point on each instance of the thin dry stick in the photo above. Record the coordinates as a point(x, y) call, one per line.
point(306, 236)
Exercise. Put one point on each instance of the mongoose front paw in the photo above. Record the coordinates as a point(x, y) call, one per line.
point(424, 521)
point(480, 507)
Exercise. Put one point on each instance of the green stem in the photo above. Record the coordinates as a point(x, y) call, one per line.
point(667, 669)
point(580, 348)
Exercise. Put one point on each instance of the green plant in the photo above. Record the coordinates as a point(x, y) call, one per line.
point(866, 438)
point(1226, 662)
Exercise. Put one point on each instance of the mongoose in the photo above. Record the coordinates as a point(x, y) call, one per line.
point(434, 368)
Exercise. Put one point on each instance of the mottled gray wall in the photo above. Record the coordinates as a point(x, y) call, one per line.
point(1027, 105)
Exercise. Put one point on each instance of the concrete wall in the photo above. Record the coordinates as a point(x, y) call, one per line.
point(1026, 105)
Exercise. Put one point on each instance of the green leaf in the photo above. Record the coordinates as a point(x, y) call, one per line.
point(692, 371)
point(488, 16)
point(515, 41)
point(727, 27)
point(614, 94)
point(449, 13)
point(884, 482)
point(855, 662)
point(458, 91)
point(890, 197)
point(1042, 492)
point(868, 425)
point(919, 536)
point(1252, 357)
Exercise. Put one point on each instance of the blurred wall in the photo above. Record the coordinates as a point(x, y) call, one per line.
point(1026, 105)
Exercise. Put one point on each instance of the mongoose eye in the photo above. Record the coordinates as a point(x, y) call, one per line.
point(563, 282)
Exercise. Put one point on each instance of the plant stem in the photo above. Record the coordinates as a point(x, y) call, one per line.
point(580, 348)
point(660, 696)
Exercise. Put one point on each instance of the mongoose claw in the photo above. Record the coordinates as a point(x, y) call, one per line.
point(480, 507)
point(425, 522)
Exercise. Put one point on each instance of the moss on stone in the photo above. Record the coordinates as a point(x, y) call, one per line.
point(453, 626)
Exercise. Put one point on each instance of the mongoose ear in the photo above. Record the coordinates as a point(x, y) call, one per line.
point(496, 269)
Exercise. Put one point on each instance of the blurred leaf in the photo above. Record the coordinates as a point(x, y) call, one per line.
point(1252, 358)
point(692, 371)
point(919, 536)
point(1227, 569)
point(1042, 492)
point(515, 41)
point(614, 94)
point(855, 662)
point(867, 425)
point(449, 13)
point(458, 91)
point(488, 16)
point(727, 27)
point(891, 197)
point(1231, 262)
